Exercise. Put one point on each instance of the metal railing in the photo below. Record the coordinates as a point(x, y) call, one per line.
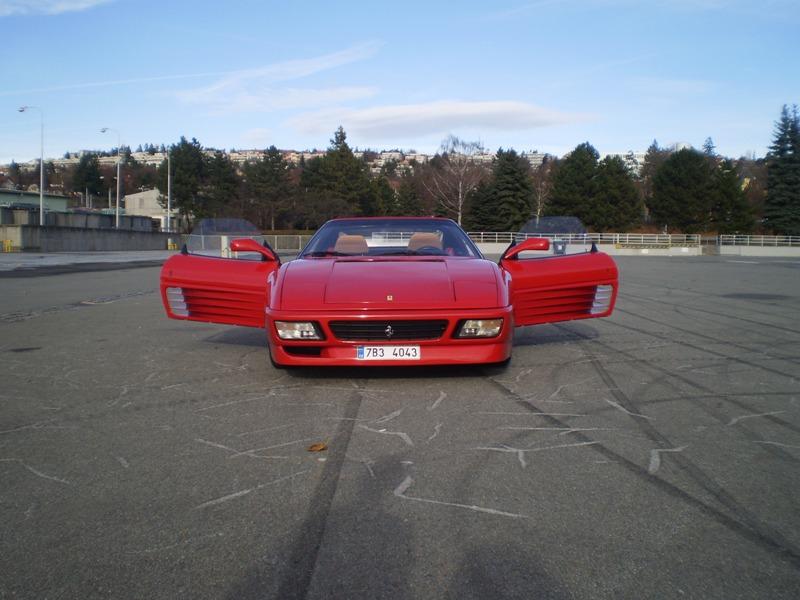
point(620, 239)
point(759, 240)
point(294, 243)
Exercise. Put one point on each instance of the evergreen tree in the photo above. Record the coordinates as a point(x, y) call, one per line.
point(189, 171)
point(616, 205)
point(344, 180)
point(318, 205)
point(782, 207)
point(86, 176)
point(478, 214)
point(653, 160)
point(385, 197)
point(683, 191)
point(408, 201)
point(269, 186)
point(730, 209)
point(709, 149)
point(505, 203)
point(221, 192)
point(574, 185)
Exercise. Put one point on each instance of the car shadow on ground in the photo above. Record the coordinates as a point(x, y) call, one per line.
point(523, 337)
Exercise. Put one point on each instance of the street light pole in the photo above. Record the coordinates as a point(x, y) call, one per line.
point(119, 161)
point(41, 161)
point(169, 191)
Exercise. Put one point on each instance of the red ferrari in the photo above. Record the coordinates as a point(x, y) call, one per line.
point(389, 291)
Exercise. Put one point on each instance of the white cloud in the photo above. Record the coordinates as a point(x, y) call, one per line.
point(46, 7)
point(412, 120)
point(673, 87)
point(254, 89)
point(260, 98)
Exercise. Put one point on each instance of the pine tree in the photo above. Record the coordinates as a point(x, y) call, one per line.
point(574, 185)
point(268, 186)
point(616, 205)
point(86, 176)
point(653, 160)
point(709, 149)
point(385, 197)
point(730, 209)
point(408, 200)
point(682, 192)
point(189, 170)
point(344, 178)
point(782, 207)
point(222, 187)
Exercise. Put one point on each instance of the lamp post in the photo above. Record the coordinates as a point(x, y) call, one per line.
point(119, 147)
point(41, 161)
point(169, 191)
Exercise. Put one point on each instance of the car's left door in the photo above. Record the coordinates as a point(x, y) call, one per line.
point(552, 288)
point(216, 290)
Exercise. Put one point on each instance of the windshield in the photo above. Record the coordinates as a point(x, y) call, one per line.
point(390, 237)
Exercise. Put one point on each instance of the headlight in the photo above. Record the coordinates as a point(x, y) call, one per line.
point(485, 328)
point(297, 330)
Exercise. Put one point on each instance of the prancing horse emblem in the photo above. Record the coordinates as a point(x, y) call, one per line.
point(389, 331)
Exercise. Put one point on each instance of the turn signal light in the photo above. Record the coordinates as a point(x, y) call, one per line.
point(176, 301)
point(602, 299)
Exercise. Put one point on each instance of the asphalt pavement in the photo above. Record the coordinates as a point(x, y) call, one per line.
point(653, 454)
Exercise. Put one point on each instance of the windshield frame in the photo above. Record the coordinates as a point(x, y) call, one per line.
point(389, 224)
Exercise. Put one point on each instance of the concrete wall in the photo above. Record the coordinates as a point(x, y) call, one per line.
point(89, 220)
point(793, 251)
point(72, 239)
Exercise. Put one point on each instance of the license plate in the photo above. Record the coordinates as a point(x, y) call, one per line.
point(387, 352)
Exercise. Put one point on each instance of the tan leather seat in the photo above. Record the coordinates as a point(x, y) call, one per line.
point(421, 239)
point(351, 244)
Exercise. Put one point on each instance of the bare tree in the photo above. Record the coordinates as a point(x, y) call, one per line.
point(454, 173)
point(542, 186)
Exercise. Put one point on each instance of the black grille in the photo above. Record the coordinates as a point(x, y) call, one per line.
point(377, 330)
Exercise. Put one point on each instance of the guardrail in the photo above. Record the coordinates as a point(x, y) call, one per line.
point(759, 240)
point(296, 242)
point(623, 239)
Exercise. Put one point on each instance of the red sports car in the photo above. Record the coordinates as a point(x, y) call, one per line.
point(389, 291)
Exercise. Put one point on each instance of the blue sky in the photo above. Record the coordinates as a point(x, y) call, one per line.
point(544, 75)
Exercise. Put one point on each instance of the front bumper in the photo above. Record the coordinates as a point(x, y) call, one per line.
point(445, 350)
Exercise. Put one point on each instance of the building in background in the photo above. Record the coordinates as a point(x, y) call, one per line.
point(21, 199)
point(147, 204)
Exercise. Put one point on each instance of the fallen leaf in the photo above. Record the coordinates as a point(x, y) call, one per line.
point(320, 447)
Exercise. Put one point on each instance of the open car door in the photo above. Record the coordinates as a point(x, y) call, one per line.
point(560, 288)
point(218, 290)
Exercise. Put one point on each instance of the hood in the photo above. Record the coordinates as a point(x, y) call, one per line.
point(389, 283)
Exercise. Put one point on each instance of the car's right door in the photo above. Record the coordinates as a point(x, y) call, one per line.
point(561, 288)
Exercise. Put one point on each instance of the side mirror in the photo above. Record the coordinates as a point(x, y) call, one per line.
point(250, 245)
point(527, 245)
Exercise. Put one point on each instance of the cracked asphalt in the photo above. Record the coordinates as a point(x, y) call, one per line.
point(654, 454)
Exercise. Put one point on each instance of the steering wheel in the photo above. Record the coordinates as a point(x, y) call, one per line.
point(429, 250)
